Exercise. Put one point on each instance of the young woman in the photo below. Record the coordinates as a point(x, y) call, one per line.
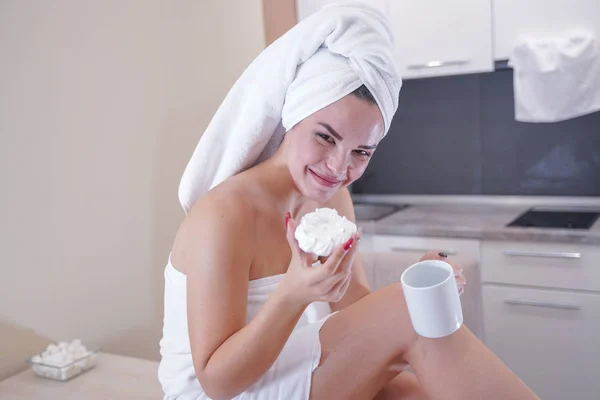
point(246, 316)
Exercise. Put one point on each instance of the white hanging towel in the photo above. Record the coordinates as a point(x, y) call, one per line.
point(556, 78)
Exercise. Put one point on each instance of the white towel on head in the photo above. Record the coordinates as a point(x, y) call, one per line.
point(320, 60)
point(556, 78)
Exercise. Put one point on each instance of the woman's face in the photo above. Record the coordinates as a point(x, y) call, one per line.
point(331, 148)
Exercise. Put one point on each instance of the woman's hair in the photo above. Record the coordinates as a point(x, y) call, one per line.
point(364, 94)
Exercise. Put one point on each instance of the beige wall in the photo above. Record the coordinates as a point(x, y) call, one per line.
point(101, 104)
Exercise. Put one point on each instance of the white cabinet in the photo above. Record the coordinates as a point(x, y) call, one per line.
point(540, 17)
point(549, 338)
point(554, 265)
point(440, 37)
point(541, 314)
point(418, 245)
point(433, 37)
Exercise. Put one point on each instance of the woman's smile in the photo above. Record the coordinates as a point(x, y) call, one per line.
point(325, 180)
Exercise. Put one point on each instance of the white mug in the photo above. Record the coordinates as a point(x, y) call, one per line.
point(432, 298)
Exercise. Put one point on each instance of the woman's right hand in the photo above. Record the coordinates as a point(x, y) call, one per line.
point(328, 282)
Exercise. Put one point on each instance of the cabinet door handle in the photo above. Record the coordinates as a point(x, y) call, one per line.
point(518, 253)
point(437, 64)
point(547, 304)
point(417, 250)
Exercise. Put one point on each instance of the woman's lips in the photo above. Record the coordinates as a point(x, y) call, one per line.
point(325, 181)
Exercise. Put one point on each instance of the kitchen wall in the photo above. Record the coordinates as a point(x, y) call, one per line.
point(457, 136)
point(101, 105)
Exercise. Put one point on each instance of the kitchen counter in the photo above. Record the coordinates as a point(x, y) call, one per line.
point(473, 221)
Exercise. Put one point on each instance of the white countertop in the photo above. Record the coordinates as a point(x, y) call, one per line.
point(477, 218)
point(114, 377)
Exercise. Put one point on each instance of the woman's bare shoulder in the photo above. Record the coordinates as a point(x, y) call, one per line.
point(223, 218)
point(235, 199)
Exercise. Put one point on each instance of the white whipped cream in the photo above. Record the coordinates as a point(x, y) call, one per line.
point(322, 231)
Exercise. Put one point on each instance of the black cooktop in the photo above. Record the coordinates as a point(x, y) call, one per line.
point(556, 219)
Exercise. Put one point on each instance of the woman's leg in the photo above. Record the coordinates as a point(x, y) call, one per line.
point(404, 386)
point(362, 347)
point(365, 346)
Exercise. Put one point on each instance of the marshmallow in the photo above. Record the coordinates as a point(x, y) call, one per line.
point(63, 361)
point(322, 231)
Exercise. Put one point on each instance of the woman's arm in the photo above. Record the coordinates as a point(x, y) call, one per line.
point(214, 249)
point(358, 287)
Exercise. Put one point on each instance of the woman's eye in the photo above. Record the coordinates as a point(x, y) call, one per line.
point(326, 138)
point(363, 153)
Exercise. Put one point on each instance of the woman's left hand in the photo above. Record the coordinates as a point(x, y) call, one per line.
point(461, 281)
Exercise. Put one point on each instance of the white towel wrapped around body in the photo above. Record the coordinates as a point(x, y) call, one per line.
point(319, 61)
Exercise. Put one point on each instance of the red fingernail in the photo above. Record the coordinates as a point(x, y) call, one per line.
point(348, 244)
point(287, 218)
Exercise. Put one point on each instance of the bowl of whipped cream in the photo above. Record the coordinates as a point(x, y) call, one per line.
point(64, 360)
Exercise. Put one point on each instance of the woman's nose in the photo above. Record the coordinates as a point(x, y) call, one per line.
point(337, 164)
